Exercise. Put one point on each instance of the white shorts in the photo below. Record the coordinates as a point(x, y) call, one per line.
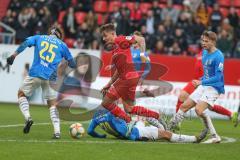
point(206, 94)
point(149, 132)
point(32, 83)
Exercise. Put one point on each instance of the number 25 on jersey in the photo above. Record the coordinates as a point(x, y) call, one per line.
point(49, 48)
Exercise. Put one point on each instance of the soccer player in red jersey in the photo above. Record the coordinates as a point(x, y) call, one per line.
point(125, 78)
point(189, 88)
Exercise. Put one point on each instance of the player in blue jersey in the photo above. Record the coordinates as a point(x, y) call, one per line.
point(140, 59)
point(135, 130)
point(209, 87)
point(48, 53)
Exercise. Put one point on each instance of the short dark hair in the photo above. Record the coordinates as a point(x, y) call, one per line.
point(57, 31)
point(107, 27)
point(211, 35)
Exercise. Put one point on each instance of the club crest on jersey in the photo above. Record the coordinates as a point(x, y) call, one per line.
point(220, 66)
point(128, 38)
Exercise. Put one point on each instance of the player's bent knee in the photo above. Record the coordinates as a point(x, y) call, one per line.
point(198, 111)
point(184, 107)
point(188, 104)
point(21, 94)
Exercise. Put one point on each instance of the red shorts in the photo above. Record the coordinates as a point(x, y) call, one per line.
point(189, 88)
point(124, 89)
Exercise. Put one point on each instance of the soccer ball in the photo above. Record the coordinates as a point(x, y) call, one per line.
point(76, 130)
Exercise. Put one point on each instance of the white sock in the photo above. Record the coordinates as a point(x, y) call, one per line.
point(177, 118)
point(208, 123)
point(182, 138)
point(24, 107)
point(54, 115)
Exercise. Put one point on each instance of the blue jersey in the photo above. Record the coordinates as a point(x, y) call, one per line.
point(136, 57)
point(213, 65)
point(112, 125)
point(48, 53)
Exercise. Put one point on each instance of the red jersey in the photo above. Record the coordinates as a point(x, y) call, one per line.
point(198, 69)
point(122, 58)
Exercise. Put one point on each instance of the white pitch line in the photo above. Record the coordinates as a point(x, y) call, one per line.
point(21, 125)
point(228, 140)
point(36, 124)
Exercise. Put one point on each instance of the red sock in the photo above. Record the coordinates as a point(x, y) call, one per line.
point(142, 111)
point(118, 112)
point(178, 105)
point(222, 110)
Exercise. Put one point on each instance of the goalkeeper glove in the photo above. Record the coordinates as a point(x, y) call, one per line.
point(10, 59)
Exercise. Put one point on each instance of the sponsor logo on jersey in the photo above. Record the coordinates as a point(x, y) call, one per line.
point(44, 63)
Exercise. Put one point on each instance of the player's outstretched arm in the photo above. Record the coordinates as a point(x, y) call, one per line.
point(30, 41)
point(21, 48)
point(91, 130)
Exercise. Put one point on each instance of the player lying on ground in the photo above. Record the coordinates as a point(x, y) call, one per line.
point(189, 88)
point(135, 131)
point(209, 87)
point(125, 79)
point(48, 53)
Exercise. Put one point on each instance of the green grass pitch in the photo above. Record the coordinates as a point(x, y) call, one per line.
point(38, 144)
